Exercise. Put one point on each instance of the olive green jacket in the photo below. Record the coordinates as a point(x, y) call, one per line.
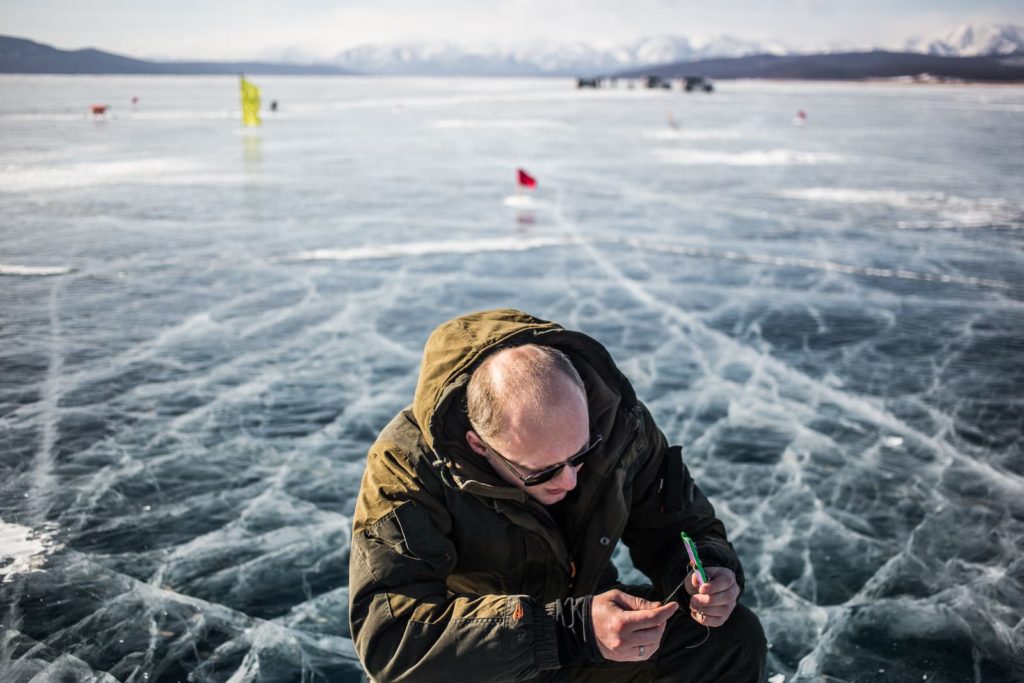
point(453, 574)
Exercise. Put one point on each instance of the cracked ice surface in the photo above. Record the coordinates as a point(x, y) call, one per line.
point(201, 332)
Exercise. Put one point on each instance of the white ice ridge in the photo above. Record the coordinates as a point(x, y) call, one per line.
point(29, 271)
point(756, 157)
point(168, 115)
point(23, 550)
point(694, 134)
point(42, 464)
point(958, 211)
point(814, 264)
point(386, 251)
point(156, 171)
point(514, 124)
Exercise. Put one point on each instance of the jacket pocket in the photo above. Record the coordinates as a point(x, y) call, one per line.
point(405, 541)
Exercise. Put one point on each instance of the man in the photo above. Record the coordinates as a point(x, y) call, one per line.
point(489, 510)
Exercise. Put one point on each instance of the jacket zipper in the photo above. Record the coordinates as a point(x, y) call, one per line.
point(597, 499)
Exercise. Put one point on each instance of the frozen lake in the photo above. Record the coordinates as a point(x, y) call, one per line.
point(202, 329)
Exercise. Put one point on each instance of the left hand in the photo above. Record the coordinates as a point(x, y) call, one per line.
point(712, 603)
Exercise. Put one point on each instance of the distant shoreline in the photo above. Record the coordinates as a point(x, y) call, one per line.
point(895, 81)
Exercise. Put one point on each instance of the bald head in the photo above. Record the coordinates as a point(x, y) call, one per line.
point(528, 384)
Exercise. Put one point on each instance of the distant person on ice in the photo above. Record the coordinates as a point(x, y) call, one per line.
point(489, 510)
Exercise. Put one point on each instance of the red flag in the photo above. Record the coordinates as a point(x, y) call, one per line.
point(525, 179)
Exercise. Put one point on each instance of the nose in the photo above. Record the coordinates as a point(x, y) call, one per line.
point(567, 478)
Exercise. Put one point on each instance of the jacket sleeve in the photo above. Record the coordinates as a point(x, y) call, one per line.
point(666, 501)
point(405, 623)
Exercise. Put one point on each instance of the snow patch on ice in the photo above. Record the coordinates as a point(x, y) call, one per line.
point(31, 271)
point(159, 171)
point(953, 211)
point(498, 123)
point(757, 157)
point(693, 134)
point(523, 201)
point(386, 251)
point(23, 550)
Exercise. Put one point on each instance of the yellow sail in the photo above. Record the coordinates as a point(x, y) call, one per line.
point(250, 104)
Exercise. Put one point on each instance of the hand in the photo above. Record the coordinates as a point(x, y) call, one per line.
point(712, 603)
point(624, 623)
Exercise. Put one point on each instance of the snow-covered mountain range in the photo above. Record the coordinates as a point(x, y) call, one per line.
point(972, 41)
point(664, 55)
point(579, 58)
point(540, 57)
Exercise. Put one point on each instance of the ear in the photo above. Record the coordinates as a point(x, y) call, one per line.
point(475, 443)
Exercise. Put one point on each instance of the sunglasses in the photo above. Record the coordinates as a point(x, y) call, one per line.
point(549, 473)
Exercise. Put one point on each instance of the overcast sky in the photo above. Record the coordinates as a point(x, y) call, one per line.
point(236, 29)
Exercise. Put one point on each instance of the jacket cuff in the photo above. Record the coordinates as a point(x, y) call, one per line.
point(574, 630)
point(712, 555)
point(545, 638)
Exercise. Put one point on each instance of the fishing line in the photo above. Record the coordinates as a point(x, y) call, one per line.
point(707, 634)
point(707, 629)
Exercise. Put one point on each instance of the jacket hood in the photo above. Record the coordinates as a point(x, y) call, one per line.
point(454, 349)
point(458, 346)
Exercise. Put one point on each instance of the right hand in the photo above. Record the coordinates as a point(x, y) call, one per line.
point(623, 623)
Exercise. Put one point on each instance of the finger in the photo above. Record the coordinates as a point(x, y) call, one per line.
point(719, 585)
point(647, 618)
point(632, 652)
point(718, 610)
point(722, 598)
point(719, 579)
point(690, 584)
point(649, 651)
point(632, 602)
point(646, 637)
point(639, 620)
point(712, 620)
point(724, 607)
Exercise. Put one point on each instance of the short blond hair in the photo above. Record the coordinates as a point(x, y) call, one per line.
point(530, 377)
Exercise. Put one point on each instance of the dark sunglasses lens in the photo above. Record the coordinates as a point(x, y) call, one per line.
point(574, 461)
point(541, 477)
point(577, 459)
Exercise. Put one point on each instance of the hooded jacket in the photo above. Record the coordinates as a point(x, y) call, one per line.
point(454, 575)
